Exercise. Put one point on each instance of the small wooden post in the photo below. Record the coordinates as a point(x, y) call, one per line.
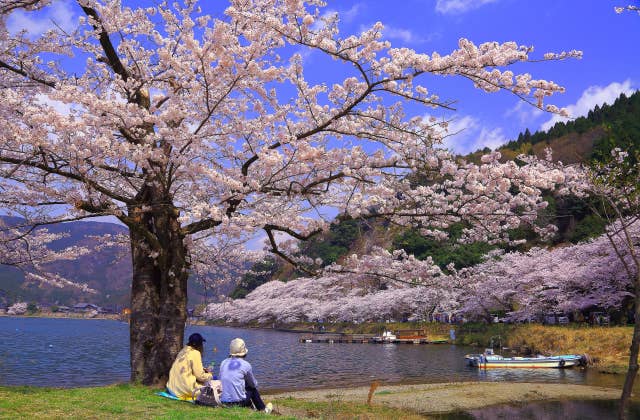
point(372, 389)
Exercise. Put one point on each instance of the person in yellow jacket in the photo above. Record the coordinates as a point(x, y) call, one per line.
point(187, 374)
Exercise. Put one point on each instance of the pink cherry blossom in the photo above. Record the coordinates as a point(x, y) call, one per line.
point(188, 128)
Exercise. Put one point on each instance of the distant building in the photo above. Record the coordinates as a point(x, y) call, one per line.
point(63, 308)
point(109, 309)
point(85, 307)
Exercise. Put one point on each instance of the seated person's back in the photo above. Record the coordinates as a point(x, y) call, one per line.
point(239, 386)
point(187, 374)
point(236, 374)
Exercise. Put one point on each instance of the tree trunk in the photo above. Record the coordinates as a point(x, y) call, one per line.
point(633, 359)
point(158, 295)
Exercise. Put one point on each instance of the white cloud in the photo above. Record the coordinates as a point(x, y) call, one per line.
point(459, 125)
point(594, 95)
point(259, 242)
point(59, 107)
point(398, 33)
point(491, 138)
point(459, 6)
point(466, 134)
point(405, 35)
point(524, 112)
point(350, 14)
point(345, 16)
point(58, 14)
point(402, 34)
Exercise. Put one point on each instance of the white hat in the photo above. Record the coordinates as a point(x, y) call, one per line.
point(238, 348)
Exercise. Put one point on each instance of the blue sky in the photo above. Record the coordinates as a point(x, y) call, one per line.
point(611, 63)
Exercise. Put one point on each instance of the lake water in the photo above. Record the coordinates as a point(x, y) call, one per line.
point(78, 352)
point(549, 410)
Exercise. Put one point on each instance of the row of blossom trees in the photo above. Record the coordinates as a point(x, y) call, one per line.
point(338, 296)
point(564, 279)
point(523, 285)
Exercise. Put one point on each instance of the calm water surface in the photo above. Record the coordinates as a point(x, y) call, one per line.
point(551, 410)
point(78, 352)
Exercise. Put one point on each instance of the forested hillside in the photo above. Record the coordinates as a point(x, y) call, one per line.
point(585, 140)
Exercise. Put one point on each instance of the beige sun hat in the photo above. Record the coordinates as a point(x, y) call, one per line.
point(238, 348)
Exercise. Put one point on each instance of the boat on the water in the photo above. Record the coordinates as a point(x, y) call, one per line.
point(489, 360)
point(386, 337)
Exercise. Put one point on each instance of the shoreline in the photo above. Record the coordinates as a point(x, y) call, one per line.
point(111, 317)
point(395, 400)
point(442, 398)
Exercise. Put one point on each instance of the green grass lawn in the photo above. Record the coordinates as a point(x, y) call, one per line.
point(109, 402)
point(138, 402)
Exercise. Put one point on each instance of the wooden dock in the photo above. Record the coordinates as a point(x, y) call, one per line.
point(336, 338)
point(363, 339)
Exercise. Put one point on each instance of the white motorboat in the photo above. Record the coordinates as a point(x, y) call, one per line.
point(490, 360)
point(386, 337)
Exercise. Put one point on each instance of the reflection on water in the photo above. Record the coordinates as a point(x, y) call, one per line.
point(553, 410)
point(574, 375)
point(75, 352)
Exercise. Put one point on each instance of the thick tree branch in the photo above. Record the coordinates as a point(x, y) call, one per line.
point(275, 250)
point(69, 175)
point(23, 73)
point(107, 46)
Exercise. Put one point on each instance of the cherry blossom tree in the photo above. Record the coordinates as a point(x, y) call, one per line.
point(18, 308)
point(30, 250)
point(562, 279)
point(628, 8)
point(615, 184)
point(370, 287)
point(189, 129)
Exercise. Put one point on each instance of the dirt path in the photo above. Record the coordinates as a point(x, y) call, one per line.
point(442, 398)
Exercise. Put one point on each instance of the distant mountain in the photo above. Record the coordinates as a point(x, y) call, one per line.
point(106, 270)
point(585, 138)
point(593, 136)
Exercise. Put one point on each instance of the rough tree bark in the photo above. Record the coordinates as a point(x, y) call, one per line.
point(158, 294)
point(634, 350)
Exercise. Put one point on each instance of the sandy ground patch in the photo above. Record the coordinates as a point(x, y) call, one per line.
point(443, 398)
